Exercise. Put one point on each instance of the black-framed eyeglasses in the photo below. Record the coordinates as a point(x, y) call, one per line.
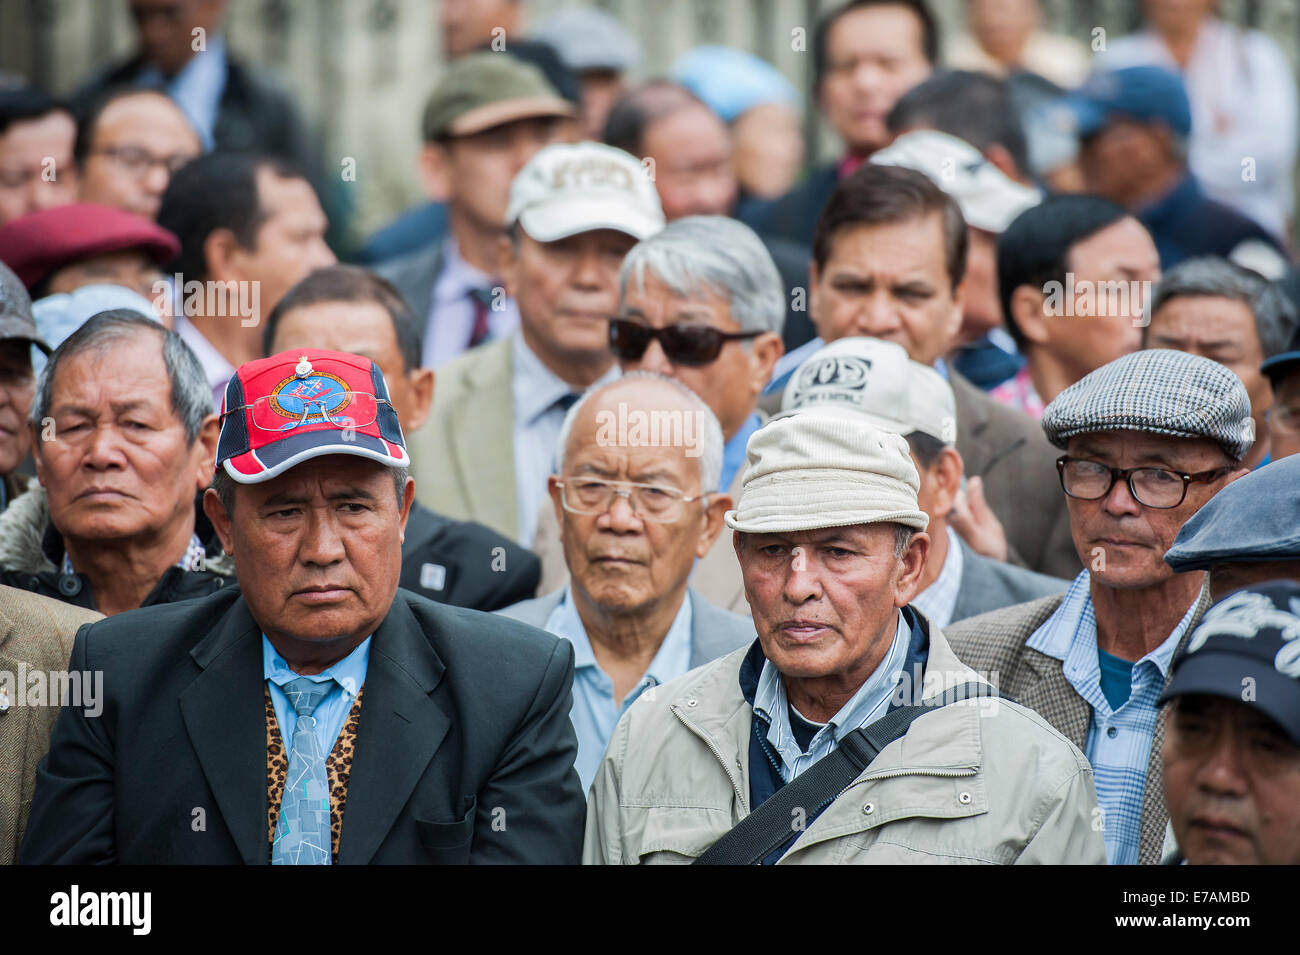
point(343, 409)
point(683, 344)
point(137, 161)
point(650, 502)
point(1151, 487)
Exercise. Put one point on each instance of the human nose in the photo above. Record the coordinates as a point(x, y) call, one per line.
point(655, 359)
point(104, 449)
point(1119, 499)
point(322, 545)
point(803, 579)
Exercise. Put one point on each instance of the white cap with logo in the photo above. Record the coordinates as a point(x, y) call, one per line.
point(877, 379)
point(568, 188)
point(989, 199)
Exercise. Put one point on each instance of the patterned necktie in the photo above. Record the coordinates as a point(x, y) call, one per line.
point(302, 836)
point(482, 300)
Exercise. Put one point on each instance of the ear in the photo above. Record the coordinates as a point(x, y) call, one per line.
point(221, 255)
point(221, 522)
point(408, 497)
point(435, 172)
point(205, 450)
point(911, 569)
point(712, 524)
point(38, 459)
point(763, 354)
point(814, 298)
point(997, 154)
point(1027, 312)
point(954, 317)
point(422, 391)
point(508, 264)
point(945, 478)
point(553, 489)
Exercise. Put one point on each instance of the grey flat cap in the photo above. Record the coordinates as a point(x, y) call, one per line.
point(16, 311)
point(589, 40)
point(1256, 517)
point(1160, 391)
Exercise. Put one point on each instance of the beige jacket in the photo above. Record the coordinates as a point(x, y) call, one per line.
point(983, 781)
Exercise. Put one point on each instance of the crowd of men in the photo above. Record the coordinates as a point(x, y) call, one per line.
point(638, 497)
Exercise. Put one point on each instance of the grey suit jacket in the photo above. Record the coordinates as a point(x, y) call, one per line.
point(414, 275)
point(994, 645)
point(714, 632)
point(1008, 450)
point(988, 584)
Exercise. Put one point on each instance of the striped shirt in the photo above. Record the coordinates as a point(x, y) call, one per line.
point(1119, 741)
point(868, 704)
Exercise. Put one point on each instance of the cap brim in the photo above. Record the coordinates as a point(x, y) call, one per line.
point(508, 111)
point(263, 464)
point(549, 222)
point(1280, 365)
point(1089, 115)
point(1222, 673)
point(27, 337)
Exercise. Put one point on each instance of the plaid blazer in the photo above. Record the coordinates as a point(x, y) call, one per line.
point(994, 645)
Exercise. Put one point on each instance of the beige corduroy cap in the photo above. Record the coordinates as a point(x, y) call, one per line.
point(825, 467)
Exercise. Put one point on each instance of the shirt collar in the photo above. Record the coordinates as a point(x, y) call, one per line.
point(349, 673)
point(194, 558)
point(733, 454)
point(770, 700)
point(535, 387)
point(939, 600)
point(671, 660)
point(1070, 634)
point(196, 88)
point(458, 278)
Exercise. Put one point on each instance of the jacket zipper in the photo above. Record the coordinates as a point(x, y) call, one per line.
point(952, 773)
point(735, 784)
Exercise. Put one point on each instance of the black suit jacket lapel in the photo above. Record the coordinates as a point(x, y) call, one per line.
point(224, 711)
point(402, 725)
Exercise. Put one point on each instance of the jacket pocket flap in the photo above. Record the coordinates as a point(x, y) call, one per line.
point(687, 831)
point(447, 835)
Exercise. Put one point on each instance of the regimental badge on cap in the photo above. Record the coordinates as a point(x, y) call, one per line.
point(303, 368)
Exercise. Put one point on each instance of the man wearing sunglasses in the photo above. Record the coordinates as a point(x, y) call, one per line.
point(635, 509)
point(1148, 438)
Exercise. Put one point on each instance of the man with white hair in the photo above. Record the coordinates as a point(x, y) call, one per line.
point(894, 393)
point(634, 512)
point(701, 302)
point(834, 736)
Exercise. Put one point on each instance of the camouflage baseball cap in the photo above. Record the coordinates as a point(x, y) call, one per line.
point(16, 311)
point(487, 89)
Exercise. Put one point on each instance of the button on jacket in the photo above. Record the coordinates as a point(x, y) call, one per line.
point(983, 781)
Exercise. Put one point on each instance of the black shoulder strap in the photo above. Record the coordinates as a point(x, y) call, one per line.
point(773, 823)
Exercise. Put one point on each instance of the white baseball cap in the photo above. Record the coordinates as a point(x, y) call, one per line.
point(989, 199)
point(825, 467)
point(877, 379)
point(568, 188)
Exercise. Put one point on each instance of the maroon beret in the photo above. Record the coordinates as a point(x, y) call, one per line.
point(40, 243)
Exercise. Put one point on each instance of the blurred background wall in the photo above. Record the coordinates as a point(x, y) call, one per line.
point(361, 69)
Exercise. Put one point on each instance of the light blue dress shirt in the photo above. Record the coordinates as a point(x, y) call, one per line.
point(595, 712)
point(197, 88)
point(450, 321)
point(939, 600)
point(535, 390)
point(348, 675)
point(1119, 741)
point(867, 705)
point(733, 452)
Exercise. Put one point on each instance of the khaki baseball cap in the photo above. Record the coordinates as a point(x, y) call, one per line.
point(568, 188)
point(487, 89)
point(877, 379)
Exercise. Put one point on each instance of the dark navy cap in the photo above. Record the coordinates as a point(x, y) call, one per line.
point(1144, 93)
point(1247, 648)
point(1284, 363)
point(1254, 518)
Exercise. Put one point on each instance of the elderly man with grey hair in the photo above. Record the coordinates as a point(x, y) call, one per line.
point(1211, 307)
point(638, 462)
point(847, 731)
point(124, 437)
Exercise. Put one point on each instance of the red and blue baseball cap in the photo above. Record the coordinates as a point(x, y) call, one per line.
point(281, 411)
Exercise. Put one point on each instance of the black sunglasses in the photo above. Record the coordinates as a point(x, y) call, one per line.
point(685, 344)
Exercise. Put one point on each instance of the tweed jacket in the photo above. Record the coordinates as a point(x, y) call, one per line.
point(36, 633)
point(714, 632)
point(993, 644)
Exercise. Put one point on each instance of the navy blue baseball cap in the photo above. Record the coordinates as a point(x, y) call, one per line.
point(1247, 649)
point(1284, 363)
point(1148, 94)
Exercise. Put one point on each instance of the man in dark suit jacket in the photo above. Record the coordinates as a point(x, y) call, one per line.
point(447, 732)
point(346, 308)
